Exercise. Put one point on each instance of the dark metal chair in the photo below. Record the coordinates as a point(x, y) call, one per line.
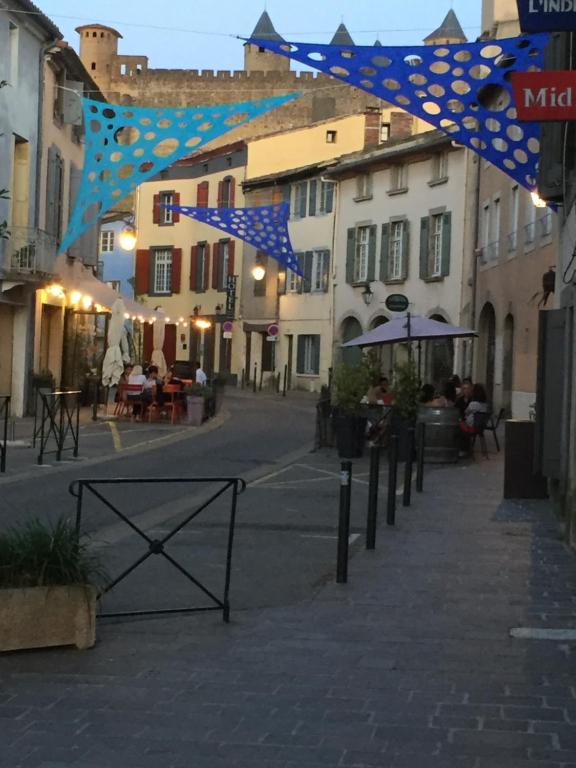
point(480, 422)
point(493, 424)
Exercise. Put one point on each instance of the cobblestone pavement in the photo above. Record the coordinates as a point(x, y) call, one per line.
point(410, 665)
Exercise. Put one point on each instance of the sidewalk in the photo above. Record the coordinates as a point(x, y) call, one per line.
point(410, 665)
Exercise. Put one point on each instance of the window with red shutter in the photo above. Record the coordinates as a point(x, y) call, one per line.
point(220, 202)
point(142, 272)
point(175, 201)
point(215, 262)
point(206, 266)
point(193, 268)
point(202, 192)
point(156, 210)
point(176, 269)
point(231, 251)
point(226, 193)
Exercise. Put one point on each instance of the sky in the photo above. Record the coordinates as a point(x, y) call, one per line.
point(188, 34)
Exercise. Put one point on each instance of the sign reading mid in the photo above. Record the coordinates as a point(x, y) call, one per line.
point(547, 15)
point(397, 302)
point(543, 96)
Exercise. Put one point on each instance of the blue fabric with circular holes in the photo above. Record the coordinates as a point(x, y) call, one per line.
point(264, 227)
point(463, 89)
point(126, 145)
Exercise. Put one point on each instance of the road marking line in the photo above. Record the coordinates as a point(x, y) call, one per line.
point(353, 537)
point(331, 474)
point(542, 633)
point(271, 475)
point(288, 483)
point(115, 436)
point(311, 536)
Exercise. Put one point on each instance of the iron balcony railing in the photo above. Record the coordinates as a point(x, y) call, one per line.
point(530, 233)
point(30, 250)
point(545, 225)
point(512, 241)
point(491, 252)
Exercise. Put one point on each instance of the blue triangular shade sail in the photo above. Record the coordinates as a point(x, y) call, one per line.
point(126, 145)
point(264, 227)
point(463, 89)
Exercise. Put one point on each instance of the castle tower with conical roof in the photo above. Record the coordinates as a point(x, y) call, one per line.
point(258, 59)
point(448, 32)
point(342, 36)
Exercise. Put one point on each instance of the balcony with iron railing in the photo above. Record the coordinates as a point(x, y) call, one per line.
point(545, 225)
point(512, 241)
point(491, 252)
point(28, 251)
point(530, 233)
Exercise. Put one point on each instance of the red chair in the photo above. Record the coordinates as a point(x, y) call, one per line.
point(172, 404)
point(127, 399)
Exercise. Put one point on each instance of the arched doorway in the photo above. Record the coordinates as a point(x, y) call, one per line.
point(351, 329)
point(386, 351)
point(487, 348)
point(508, 364)
point(440, 357)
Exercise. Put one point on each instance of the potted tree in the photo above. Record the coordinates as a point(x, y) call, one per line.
point(406, 391)
point(197, 397)
point(351, 383)
point(47, 587)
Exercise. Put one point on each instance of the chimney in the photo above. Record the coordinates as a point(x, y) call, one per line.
point(400, 125)
point(372, 120)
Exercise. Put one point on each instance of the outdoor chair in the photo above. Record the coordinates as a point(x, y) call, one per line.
point(492, 425)
point(174, 406)
point(480, 422)
point(124, 405)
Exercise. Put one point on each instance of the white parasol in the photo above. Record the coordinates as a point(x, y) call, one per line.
point(113, 365)
point(158, 358)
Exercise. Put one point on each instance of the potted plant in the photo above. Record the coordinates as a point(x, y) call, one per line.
point(47, 592)
point(351, 383)
point(406, 391)
point(196, 400)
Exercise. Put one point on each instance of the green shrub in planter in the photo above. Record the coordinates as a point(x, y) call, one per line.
point(351, 384)
point(47, 587)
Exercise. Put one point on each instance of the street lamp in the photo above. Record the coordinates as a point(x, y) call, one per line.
point(258, 272)
point(367, 294)
point(127, 238)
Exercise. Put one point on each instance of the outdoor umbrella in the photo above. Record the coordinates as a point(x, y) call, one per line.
point(113, 365)
point(409, 328)
point(158, 358)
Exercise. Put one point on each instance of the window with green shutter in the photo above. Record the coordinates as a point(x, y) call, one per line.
point(384, 249)
point(424, 246)
point(312, 198)
point(350, 254)
point(372, 238)
point(446, 243)
point(308, 263)
point(308, 355)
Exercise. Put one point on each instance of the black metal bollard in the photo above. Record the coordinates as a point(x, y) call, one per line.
point(372, 518)
point(392, 479)
point(254, 383)
point(285, 387)
point(344, 522)
point(407, 497)
point(96, 398)
point(243, 379)
point(261, 379)
point(420, 445)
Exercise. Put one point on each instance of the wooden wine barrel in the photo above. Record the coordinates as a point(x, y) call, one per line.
point(442, 442)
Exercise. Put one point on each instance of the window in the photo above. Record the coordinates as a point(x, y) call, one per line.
point(202, 266)
point(319, 271)
point(300, 199)
point(440, 167)
point(331, 137)
point(162, 277)
point(396, 252)
point(530, 228)
point(327, 196)
point(223, 264)
point(166, 215)
point(93, 66)
point(226, 193)
point(308, 362)
point(514, 209)
point(106, 241)
point(436, 246)
point(363, 186)
point(486, 225)
point(546, 223)
point(496, 227)
point(384, 132)
point(294, 281)
point(399, 178)
point(13, 45)
point(361, 255)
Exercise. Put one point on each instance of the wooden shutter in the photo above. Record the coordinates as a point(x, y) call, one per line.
point(300, 354)
point(308, 262)
point(282, 280)
point(300, 257)
point(169, 347)
point(194, 268)
point(446, 243)
point(232, 199)
point(325, 270)
point(312, 198)
point(142, 275)
point(329, 197)
point(206, 267)
point(231, 252)
point(350, 254)
point(405, 250)
point(202, 191)
point(303, 199)
point(156, 210)
point(316, 357)
point(424, 247)
point(215, 264)
point(372, 252)
point(385, 254)
point(175, 201)
point(176, 269)
point(220, 201)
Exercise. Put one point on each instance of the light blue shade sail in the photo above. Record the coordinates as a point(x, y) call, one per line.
point(126, 145)
point(464, 89)
point(265, 227)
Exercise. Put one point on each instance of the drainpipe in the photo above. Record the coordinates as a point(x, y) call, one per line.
point(474, 300)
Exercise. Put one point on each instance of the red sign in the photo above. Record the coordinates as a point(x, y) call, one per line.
point(545, 95)
point(273, 330)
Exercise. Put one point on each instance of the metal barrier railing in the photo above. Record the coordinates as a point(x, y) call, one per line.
point(4, 415)
point(80, 488)
point(60, 420)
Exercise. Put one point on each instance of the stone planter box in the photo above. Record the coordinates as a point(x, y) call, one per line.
point(194, 410)
point(43, 617)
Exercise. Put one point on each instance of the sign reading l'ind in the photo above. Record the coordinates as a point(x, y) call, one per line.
point(547, 15)
point(543, 96)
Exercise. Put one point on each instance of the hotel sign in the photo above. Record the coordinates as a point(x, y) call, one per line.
point(544, 96)
point(547, 15)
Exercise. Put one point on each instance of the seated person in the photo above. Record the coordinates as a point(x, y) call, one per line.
point(170, 378)
point(478, 404)
point(136, 378)
point(455, 379)
point(465, 397)
point(448, 397)
point(128, 368)
point(378, 393)
point(428, 396)
point(152, 388)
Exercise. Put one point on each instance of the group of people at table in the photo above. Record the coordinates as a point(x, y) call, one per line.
point(143, 387)
point(470, 399)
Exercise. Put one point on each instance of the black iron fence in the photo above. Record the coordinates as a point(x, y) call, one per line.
point(4, 415)
point(158, 546)
point(58, 429)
